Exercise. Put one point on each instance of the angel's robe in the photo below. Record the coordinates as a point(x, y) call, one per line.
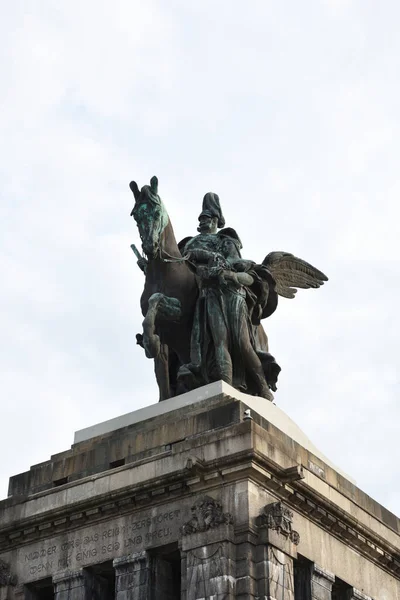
point(227, 310)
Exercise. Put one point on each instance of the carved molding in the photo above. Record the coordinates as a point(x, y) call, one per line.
point(206, 514)
point(357, 595)
point(72, 577)
point(140, 558)
point(319, 572)
point(6, 577)
point(342, 526)
point(278, 517)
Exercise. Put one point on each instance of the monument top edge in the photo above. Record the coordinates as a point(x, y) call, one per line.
point(155, 410)
point(267, 410)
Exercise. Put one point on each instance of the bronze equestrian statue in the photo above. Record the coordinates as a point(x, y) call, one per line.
point(203, 303)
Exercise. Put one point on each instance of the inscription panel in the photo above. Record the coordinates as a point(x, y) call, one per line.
point(100, 542)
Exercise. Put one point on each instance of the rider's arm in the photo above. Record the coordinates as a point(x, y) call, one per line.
point(142, 264)
point(243, 265)
point(200, 255)
point(239, 278)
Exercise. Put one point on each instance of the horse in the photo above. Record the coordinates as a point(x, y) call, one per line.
point(170, 292)
point(169, 298)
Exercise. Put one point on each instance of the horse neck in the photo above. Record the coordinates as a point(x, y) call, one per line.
point(170, 277)
point(168, 251)
point(168, 245)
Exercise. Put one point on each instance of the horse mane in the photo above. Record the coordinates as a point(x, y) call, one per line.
point(148, 195)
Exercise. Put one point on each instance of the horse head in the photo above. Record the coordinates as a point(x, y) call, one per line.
point(150, 216)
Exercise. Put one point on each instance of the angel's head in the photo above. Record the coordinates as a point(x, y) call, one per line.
point(230, 247)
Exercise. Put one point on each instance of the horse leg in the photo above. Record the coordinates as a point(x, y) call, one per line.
point(160, 307)
point(161, 370)
point(166, 365)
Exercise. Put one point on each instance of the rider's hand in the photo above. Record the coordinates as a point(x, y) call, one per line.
point(142, 264)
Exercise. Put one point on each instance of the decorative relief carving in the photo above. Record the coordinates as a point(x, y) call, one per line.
point(280, 575)
point(278, 517)
point(295, 537)
point(206, 514)
point(205, 573)
point(6, 578)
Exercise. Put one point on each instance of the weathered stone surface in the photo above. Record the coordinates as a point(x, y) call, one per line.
point(354, 594)
point(172, 462)
point(210, 572)
point(6, 576)
point(207, 514)
point(208, 549)
point(72, 585)
point(192, 401)
point(275, 528)
point(133, 577)
point(274, 574)
point(321, 583)
point(113, 538)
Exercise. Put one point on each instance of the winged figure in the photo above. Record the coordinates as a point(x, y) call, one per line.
point(235, 295)
point(279, 274)
point(290, 273)
point(203, 303)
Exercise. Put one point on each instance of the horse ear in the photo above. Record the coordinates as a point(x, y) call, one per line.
point(134, 188)
point(154, 184)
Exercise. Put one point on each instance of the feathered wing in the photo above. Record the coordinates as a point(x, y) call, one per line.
point(291, 272)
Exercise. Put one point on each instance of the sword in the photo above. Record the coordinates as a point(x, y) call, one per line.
point(136, 252)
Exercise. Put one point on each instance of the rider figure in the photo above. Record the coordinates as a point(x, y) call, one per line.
point(223, 342)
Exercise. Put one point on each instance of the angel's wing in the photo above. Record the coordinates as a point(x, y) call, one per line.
point(291, 272)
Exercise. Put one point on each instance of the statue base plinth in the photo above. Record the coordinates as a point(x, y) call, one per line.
point(212, 493)
point(208, 396)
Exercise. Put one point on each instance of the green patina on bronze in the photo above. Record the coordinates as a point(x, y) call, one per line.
point(150, 214)
point(203, 303)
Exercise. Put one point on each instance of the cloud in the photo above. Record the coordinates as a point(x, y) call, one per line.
point(290, 114)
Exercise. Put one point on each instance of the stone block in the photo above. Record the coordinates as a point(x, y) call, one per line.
point(73, 585)
point(139, 513)
point(274, 575)
point(321, 583)
point(246, 587)
point(210, 571)
point(132, 577)
point(354, 594)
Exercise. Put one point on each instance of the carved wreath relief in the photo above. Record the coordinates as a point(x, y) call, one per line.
point(206, 514)
point(278, 517)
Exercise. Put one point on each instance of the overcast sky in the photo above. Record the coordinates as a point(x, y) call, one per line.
point(290, 112)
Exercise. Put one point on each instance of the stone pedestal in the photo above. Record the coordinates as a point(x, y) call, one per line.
point(195, 499)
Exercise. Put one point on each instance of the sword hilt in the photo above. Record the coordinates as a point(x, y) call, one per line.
point(136, 252)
